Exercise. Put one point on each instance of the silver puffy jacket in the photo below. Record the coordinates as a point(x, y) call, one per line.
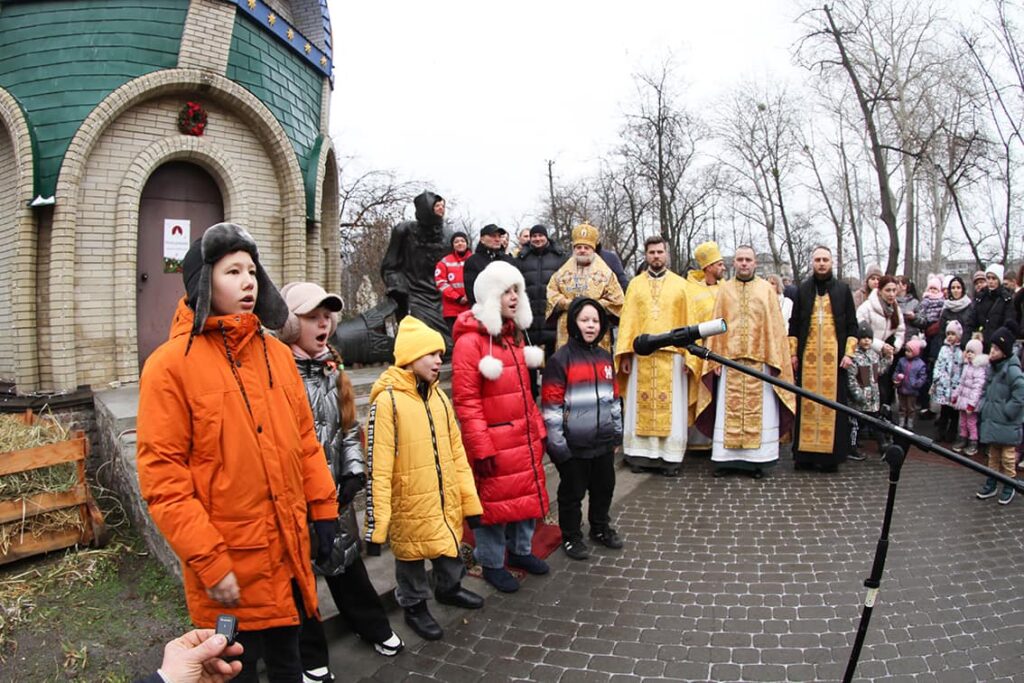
point(344, 449)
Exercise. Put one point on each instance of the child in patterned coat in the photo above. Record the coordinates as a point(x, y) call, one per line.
point(945, 379)
point(862, 383)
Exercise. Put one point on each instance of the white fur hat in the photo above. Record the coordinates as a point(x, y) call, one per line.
point(995, 269)
point(488, 288)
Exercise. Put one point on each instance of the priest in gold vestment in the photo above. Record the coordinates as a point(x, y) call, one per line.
point(701, 285)
point(584, 274)
point(654, 387)
point(750, 416)
point(822, 338)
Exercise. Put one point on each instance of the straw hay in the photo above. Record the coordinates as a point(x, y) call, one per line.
point(15, 435)
point(39, 525)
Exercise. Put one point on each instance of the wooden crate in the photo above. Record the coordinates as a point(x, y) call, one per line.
point(72, 450)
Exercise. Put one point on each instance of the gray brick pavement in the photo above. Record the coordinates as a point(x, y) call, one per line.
point(741, 580)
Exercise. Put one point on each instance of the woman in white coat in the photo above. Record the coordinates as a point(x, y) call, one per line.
point(882, 312)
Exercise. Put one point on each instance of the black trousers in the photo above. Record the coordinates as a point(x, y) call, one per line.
point(360, 607)
point(577, 477)
point(277, 647)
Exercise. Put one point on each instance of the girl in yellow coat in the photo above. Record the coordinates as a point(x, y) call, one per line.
point(420, 487)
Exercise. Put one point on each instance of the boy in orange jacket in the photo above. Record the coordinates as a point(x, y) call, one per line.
point(228, 458)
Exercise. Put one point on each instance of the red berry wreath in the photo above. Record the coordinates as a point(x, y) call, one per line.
point(192, 119)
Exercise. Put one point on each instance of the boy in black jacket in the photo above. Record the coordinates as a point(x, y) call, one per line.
point(583, 416)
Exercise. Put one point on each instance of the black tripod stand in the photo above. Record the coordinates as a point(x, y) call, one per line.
point(894, 457)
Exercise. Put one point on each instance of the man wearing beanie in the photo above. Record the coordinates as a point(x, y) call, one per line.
point(993, 305)
point(1002, 412)
point(449, 279)
point(585, 274)
point(538, 261)
point(420, 487)
point(488, 249)
point(411, 259)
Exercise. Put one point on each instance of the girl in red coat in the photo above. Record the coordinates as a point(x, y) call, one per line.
point(502, 428)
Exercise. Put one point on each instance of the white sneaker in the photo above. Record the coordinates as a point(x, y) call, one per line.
point(390, 647)
point(321, 675)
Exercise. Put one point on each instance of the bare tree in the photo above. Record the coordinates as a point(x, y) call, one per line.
point(371, 203)
point(1000, 66)
point(759, 130)
point(844, 30)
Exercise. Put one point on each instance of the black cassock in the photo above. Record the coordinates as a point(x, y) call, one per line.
point(844, 317)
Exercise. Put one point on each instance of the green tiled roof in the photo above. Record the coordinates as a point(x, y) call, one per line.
point(289, 87)
point(59, 59)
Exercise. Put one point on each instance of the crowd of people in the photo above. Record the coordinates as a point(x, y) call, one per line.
point(250, 453)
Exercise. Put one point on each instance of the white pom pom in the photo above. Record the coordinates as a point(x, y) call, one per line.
point(491, 367)
point(534, 356)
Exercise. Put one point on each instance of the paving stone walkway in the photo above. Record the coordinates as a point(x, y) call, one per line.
point(735, 579)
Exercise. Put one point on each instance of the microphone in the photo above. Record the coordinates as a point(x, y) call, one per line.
point(646, 344)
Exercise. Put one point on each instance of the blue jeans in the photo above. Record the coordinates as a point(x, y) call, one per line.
point(492, 540)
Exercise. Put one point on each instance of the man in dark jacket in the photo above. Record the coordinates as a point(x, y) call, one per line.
point(615, 263)
point(823, 336)
point(408, 265)
point(488, 249)
point(538, 262)
point(993, 306)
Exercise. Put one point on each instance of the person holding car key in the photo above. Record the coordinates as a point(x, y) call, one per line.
point(228, 457)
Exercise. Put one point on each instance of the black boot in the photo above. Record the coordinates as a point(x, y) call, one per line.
point(460, 597)
point(422, 621)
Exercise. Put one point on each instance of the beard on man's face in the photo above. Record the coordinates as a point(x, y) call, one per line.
point(584, 259)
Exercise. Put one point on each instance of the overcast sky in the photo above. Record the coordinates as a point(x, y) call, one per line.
point(475, 96)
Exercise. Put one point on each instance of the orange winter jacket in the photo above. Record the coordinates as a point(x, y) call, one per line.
point(232, 476)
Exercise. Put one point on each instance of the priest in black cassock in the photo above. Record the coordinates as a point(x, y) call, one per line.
point(822, 339)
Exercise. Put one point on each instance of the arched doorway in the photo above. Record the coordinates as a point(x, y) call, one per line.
point(179, 202)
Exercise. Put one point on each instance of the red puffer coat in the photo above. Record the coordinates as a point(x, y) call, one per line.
point(499, 418)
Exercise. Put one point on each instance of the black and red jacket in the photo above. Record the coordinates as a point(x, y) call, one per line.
point(579, 395)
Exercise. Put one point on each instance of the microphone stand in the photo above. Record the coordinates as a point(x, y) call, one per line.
point(894, 457)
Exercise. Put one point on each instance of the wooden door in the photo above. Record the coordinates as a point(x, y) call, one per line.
point(186, 195)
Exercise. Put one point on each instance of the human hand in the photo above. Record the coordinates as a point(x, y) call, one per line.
point(349, 487)
point(463, 301)
point(845, 362)
point(195, 658)
point(626, 363)
point(718, 370)
point(325, 529)
point(888, 350)
point(226, 591)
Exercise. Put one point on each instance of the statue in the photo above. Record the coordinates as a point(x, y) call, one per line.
point(408, 265)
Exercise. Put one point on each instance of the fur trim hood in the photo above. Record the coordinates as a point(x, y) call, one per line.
point(488, 288)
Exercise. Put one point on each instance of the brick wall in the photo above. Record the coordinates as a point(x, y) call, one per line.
point(283, 8)
point(206, 39)
point(8, 242)
point(97, 227)
point(309, 21)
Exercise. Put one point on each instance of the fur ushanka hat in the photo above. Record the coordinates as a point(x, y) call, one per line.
point(197, 272)
point(488, 288)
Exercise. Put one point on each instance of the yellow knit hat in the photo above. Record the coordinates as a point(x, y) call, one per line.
point(585, 233)
point(707, 254)
point(415, 340)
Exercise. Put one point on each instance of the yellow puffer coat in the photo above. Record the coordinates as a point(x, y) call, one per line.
point(420, 485)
